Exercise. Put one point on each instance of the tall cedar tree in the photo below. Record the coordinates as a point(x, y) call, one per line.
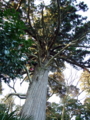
point(59, 35)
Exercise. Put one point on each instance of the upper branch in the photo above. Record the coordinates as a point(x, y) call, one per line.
point(28, 14)
point(54, 37)
point(72, 61)
point(57, 54)
point(73, 42)
point(19, 4)
point(42, 18)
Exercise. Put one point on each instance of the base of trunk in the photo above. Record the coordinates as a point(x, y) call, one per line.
point(35, 104)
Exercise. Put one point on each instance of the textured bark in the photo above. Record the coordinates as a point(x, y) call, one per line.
point(35, 104)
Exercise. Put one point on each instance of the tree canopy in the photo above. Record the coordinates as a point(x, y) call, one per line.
point(36, 39)
point(59, 33)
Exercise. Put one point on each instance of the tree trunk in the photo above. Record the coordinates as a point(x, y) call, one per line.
point(35, 105)
point(63, 109)
point(63, 112)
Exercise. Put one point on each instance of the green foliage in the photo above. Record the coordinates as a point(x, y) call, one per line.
point(13, 43)
point(3, 108)
point(54, 112)
point(7, 116)
point(12, 116)
point(73, 108)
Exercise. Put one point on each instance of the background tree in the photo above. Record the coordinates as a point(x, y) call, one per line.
point(74, 108)
point(9, 103)
point(54, 111)
point(85, 81)
point(59, 34)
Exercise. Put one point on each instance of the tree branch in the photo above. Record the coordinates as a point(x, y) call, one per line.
point(59, 83)
point(58, 27)
point(12, 87)
point(70, 60)
point(57, 54)
point(21, 96)
point(60, 46)
point(19, 4)
point(28, 74)
point(69, 44)
point(42, 5)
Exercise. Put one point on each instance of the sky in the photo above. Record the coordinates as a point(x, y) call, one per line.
point(88, 12)
point(67, 72)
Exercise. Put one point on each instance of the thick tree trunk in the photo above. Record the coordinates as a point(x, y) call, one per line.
point(35, 104)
